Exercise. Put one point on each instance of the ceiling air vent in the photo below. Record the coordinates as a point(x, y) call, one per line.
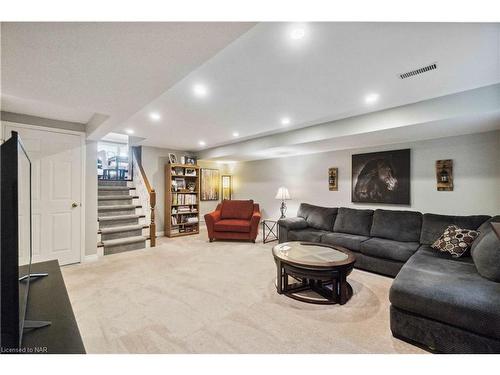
point(418, 71)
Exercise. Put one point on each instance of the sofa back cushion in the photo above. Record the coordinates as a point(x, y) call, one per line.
point(236, 209)
point(353, 221)
point(403, 226)
point(434, 225)
point(485, 251)
point(318, 217)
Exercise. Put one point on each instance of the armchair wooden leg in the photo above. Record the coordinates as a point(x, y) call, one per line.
point(211, 240)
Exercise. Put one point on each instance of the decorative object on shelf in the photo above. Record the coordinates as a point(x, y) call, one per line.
point(172, 158)
point(190, 160)
point(178, 171)
point(283, 195)
point(190, 172)
point(381, 177)
point(180, 184)
point(444, 175)
point(210, 184)
point(333, 179)
point(227, 187)
point(181, 201)
point(183, 160)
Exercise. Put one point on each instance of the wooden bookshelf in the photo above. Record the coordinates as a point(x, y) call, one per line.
point(180, 201)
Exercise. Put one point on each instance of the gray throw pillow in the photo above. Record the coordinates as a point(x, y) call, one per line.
point(486, 255)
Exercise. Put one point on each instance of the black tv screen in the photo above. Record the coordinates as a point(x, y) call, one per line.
point(15, 241)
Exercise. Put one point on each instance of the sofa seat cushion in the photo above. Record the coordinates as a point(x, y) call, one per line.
point(434, 225)
point(349, 241)
point(318, 217)
point(389, 249)
point(448, 290)
point(236, 209)
point(308, 234)
point(232, 225)
point(395, 225)
point(353, 221)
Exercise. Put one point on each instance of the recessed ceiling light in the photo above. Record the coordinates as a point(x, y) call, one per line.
point(371, 98)
point(129, 131)
point(236, 134)
point(297, 33)
point(200, 90)
point(155, 116)
point(285, 121)
point(202, 143)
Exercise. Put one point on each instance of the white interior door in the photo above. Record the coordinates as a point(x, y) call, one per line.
point(56, 160)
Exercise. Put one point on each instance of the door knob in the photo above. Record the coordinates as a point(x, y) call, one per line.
point(74, 205)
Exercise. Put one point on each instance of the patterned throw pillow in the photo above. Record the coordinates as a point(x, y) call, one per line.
point(455, 240)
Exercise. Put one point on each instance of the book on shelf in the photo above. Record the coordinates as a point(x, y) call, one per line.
point(184, 199)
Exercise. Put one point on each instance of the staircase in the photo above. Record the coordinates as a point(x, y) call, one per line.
point(120, 226)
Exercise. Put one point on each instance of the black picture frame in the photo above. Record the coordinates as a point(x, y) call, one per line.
point(381, 177)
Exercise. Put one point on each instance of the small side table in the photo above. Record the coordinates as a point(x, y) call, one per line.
point(272, 228)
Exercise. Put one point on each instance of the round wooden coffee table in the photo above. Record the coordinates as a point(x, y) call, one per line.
point(319, 270)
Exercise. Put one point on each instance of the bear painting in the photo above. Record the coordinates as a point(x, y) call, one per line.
point(381, 177)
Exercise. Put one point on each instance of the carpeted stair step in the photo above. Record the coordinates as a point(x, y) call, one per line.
point(110, 200)
point(118, 209)
point(114, 190)
point(118, 220)
point(124, 231)
point(119, 217)
point(123, 244)
point(102, 183)
point(122, 228)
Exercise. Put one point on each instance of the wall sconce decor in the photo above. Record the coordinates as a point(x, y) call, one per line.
point(333, 179)
point(227, 187)
point(444, 175)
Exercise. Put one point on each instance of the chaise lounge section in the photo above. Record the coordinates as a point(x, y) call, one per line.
point(445, 304)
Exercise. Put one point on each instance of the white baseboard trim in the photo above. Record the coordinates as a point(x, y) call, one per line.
point(91, 258)
point(160, 234)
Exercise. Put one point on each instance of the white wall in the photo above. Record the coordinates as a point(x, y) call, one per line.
point(476, 166)
point(154, 160)
point(91, 197)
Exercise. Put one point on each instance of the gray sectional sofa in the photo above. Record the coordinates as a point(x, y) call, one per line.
point(445, 304)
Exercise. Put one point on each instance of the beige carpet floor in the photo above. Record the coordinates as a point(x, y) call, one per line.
point(191, 296)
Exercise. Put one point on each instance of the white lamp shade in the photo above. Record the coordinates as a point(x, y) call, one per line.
point(282, 194)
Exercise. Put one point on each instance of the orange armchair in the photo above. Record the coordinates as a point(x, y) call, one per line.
point(233, 220)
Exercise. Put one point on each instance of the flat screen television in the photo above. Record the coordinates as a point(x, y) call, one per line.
point(15, 243)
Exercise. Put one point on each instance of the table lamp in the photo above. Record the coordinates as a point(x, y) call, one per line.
point(282, 195)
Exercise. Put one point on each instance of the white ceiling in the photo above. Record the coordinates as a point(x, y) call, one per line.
point(265, 75)
point(70, 71)
point(255, 75)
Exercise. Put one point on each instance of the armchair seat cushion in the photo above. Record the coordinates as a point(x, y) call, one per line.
point(349, 241)
point(389, 249)
point(232, 225)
